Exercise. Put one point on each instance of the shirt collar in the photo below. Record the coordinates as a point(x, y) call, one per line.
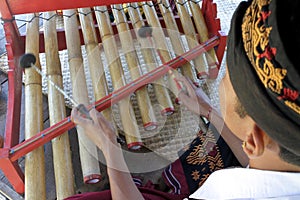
point(240, 183)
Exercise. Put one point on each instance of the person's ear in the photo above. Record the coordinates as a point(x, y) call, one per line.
point(254, 144)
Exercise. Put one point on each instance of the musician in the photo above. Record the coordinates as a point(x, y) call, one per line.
point(260, 104)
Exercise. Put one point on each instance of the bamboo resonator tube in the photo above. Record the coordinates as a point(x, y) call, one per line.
point(159, 41)
point(200, 63)
point(160, 89)
point(129, 123)
point(35, 182)
point(175, 37)
point(203, 36)
point(87, 149)
point(143, 99)
point(62, 161)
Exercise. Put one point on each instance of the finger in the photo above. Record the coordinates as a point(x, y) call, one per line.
point(98, 118)
point(186, 80)
point(77, 118)
point(94, 114)
point(185, 99)
point(189, 87)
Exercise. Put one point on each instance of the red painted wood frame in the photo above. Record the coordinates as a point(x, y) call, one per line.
point(15, 45)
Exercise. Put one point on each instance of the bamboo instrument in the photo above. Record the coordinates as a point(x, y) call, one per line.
point(161, 92)
point(62, 160)
point(87, 149)
point(159, 40)
point(191, 36)
point(143, 99)
point(128, 119)
point(175, 37)
point(203, 36)
point(35, 184)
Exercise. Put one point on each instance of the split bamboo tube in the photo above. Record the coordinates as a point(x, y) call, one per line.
point(175, 37)
point(191, 36)
point(203, 36)
point(128, 119)
point(143, 99)
point(160, 90)
point(87, 149)
point(35, 184)
point(63, 169)
point(159, 41)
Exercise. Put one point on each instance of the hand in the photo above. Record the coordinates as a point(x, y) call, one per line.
point(194, 98)
point(98, 129)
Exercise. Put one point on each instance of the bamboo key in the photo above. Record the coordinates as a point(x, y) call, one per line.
point(159, 41)
point(143, 99)
point(203, 36)
point(200, 62)
point(88, 150)
point(129, 123)
point(160, 89)
point(35, 180)
point(175, 37)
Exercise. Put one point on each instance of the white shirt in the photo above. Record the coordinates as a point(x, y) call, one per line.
point(241, 183)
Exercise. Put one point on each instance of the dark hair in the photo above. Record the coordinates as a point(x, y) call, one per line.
point(239, 109)
point(288, 157)
point(284, 154)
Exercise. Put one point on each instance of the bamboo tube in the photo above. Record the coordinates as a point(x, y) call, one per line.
point(175, 37)
point(93, 56)
point(88, 150)
point(161, 92)
point(35, 184)
point(143, 99)
point(190, 34)
point(128, 119)
point(159, 41)
point(203, 36)
point(62, 160)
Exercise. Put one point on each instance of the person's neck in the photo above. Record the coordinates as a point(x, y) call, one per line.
point(272, 162)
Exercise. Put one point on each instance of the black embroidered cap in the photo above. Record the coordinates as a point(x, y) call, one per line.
point(264, 66)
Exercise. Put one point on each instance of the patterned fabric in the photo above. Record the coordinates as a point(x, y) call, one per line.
point(207, 153)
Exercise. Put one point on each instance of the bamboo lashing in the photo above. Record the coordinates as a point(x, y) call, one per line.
point(191, 37)
point(159, 41)
point(203, 36)
point(35, 183)
point(143, 99)
point(161, 92)
point(87, 149)
point(62, 160)
point(175, 37)
point(128, 119)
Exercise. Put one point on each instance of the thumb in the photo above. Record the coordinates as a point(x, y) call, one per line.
point(78, 119)
point(185, 99)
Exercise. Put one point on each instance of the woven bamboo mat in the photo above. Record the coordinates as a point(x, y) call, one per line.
point(174, 132)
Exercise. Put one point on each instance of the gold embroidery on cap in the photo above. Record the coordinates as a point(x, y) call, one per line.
point(256, 43)
point(293, 106)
